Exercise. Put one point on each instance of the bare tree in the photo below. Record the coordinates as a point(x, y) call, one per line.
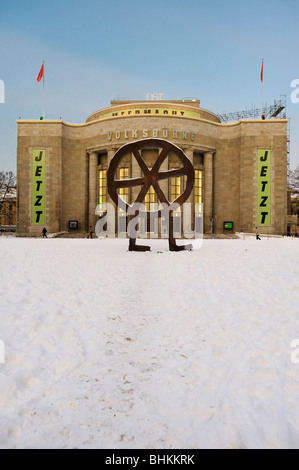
point(7, 188)
point(293, 180)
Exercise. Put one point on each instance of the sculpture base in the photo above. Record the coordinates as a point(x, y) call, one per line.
point(134, 247)
point(174, 247)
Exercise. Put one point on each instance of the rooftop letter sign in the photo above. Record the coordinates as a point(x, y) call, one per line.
point(154, 96)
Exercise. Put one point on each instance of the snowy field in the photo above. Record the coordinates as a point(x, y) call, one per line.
point(116, 350)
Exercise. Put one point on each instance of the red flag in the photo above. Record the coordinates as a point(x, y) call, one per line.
point(262, 72)
point(41, 73)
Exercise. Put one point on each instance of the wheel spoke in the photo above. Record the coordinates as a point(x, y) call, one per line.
point(128, 183)
point(160, 194)
point(141, 162)
point(143, 191)
point(160, 159)
point(163, 175)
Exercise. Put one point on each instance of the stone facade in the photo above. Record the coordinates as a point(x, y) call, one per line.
point(225, 154)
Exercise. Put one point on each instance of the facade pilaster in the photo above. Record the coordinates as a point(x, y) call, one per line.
point(187, 224)
point(112, 217)
point(93, 182)
point(189, 152)
point(208, 193)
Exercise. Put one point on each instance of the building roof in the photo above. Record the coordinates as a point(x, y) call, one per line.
point(156, 108)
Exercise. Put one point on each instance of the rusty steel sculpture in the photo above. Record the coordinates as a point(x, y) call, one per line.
point(151, 177)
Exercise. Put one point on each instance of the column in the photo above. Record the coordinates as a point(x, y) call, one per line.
point(93, 183)
point(112, 217)
point(135, 173)
point(189, 153)
point(110, 154)
point(208, 192)
point(189, 224)
point(164, 185)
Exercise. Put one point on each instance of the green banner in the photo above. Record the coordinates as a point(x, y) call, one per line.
point(264, 188)
point(38, 187)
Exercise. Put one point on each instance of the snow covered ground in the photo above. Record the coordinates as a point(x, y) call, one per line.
point(117, 350)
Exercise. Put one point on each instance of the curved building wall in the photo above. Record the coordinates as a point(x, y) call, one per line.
point(224, 155)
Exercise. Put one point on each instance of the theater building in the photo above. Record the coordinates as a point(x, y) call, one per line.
point(240, 168)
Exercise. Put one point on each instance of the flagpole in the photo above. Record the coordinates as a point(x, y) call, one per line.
point(262, 79)
point(44, 91)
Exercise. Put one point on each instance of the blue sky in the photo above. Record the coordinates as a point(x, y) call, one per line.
point(98, 50)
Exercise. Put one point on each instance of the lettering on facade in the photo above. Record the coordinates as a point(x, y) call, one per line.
point(147, 133)
point(38, 187)
point(151, 110)
point(264, 188)
point(138, 112)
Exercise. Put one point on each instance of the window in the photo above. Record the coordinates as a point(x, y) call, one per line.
point(150, 200)
point(175, 189)
point(123, 192)
point(102, 187)
point(198, 191)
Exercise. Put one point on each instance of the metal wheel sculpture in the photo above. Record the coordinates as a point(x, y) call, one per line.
point(151, 177)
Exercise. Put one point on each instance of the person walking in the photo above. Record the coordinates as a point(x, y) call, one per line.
point(257, 235)
point(89, 232)
point(44, 232)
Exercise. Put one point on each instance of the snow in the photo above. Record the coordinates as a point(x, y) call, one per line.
point(116, 350)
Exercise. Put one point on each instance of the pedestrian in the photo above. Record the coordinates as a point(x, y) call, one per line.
point(44, 232)
point(257, 235)
point(89, 232)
